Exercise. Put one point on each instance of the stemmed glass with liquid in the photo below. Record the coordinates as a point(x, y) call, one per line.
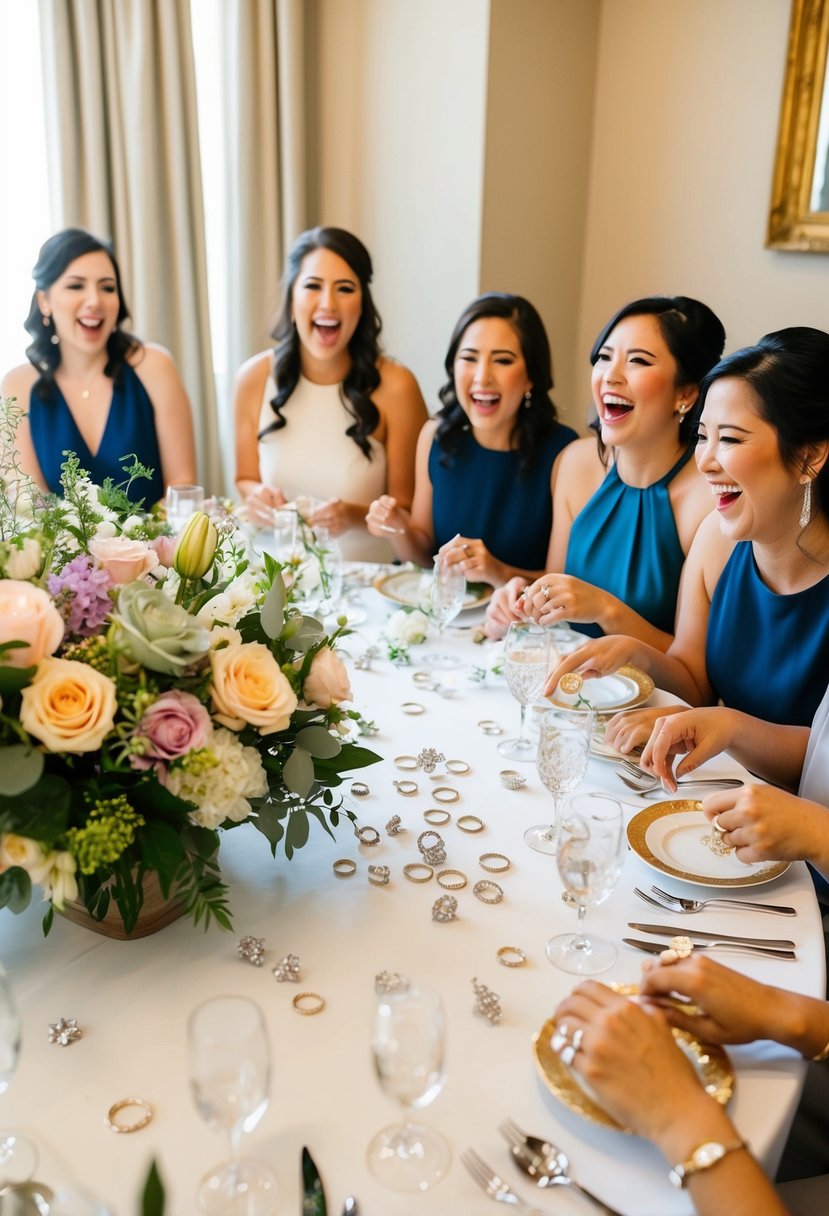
point(526, 662)
point(230, 1078)
point(408, 1045)
point(563, 748)
point(441, 598)
point(591, 851)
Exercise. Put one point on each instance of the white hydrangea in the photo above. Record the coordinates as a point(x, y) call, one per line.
point(23, 563)
point(230, 605)
point(407, 628)
point(221, 789)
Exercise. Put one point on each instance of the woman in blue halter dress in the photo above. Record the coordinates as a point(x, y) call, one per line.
point(752, 618)
point(627, 508)
point(90, 387)
point(486, 465)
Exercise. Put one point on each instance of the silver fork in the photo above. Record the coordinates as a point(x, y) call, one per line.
point(494, 1185)
point(680, 903)
point(636, 778)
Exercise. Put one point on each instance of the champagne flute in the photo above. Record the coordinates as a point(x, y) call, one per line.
point(442, 600)
point(18, 1154)
point(563, 748)
point(182, 502)
point(408, 1045)
point(591, 851)
point(230, 1077)
point(526, 662)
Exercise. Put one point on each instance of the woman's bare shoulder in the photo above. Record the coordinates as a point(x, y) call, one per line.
point(580, 459)
point(395, 377)
point(18, 382)
point(254, 371)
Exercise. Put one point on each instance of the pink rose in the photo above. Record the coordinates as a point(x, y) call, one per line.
point(175, 724)
point(327, 682)
point(28, 615)
point(164, 547)
point(123, 559)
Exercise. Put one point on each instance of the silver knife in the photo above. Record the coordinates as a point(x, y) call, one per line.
point(779, 943)
point(766, 951)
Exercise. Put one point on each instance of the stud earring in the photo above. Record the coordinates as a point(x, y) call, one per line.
point(806, 509)
point(528, 399)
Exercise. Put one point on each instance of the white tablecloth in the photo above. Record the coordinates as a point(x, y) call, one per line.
point(133, 998)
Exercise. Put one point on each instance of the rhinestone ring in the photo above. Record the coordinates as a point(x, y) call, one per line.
point(488, 892)
point(445, 908)
point(418, 871)
point(407, 788)
point(379, 876)
point(437, 817)
point(511, 779)
point(512, 956)
point(457, 880)
point(301, 1003)
point(367, 835)
point(486, 861)
point(470, 823)
point(445, 794)
point(359, 789)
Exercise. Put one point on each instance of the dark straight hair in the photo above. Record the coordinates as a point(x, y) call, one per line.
point(363, 377)
point(55, 256)
point(537, 418)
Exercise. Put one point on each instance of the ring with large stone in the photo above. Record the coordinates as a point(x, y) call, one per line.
point(64, 1031)
point(390, 981)
point(393, 826)
point(545, 591)
point(445, 908)
point(252, 949)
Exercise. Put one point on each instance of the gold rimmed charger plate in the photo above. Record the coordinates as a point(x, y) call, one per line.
point(403, 587)
point(711, 1064)
point(668, 836)
point(625, 689)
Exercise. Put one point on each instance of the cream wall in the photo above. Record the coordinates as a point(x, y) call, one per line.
point(685, 127)
point(397, 143)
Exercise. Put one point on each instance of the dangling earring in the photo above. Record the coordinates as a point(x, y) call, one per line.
point(806, 509)
point(47, 321)
point(528, 399)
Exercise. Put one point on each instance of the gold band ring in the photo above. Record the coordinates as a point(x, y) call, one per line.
point(413, 708)
point(487, 727)
point(470, 823)
point(407, 788)
point(407, 763)
point(458, 767)
point(458, 885)
point(300, 1003)
point(437, 817)
point(512, 956)
point(343, 867)
point(486, 860)
point(446, 794)
point(412, 866)
point(125, 1128)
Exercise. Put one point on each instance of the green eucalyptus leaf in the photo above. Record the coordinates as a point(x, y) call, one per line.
point(298, 829)
point(272, 614)
point(15, 889)
point(298, 773)
point(20, 768)
point(308, 633)
point(152, 1199)
point(268, 821)
point(319, 742)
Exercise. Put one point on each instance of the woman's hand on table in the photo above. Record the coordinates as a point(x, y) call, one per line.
point(261, 503)
point(765, 823)
point(561, 597)
point(695, 734)
point(474, 559)
point(506, 606)
point(629, 1058)
point(632, 728)
point(598, 657)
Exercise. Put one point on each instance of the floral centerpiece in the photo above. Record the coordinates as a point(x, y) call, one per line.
point(155, 692)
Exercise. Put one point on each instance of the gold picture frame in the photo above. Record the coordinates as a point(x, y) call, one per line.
point(798, 220)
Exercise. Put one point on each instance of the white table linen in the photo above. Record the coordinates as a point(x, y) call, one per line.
point(132, 999)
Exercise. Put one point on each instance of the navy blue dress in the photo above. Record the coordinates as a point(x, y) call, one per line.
point(767, 654)
point(624, 541)
point(130, 428)
point(482, 493)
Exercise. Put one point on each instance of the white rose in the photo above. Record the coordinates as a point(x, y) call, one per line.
point(23, 563)
point(25, 853)
point(409, 628)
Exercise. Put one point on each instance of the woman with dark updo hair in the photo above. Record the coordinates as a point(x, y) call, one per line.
point(324, 414)
point(92, 388)
point(486, 466)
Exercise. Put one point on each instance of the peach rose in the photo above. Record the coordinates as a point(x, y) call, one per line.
point(248, 687)
point(25, 853)
point(327, 681)
point(123, 559)
point(69, 706)
point(28, 615)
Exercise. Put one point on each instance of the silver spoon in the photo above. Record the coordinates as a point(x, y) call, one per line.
point(545, 1164)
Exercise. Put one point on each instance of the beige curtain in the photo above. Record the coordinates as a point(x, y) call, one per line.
point(124, 161)
point(265, 155)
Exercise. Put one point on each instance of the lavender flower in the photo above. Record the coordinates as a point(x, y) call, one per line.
point(81, 594)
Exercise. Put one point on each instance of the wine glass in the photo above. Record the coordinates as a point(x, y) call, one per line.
point(408, 1045)
point(591, 850)
point(230, 1077)
point(331, 572)
point(181, 502)
point(526, 662)
point(18, 1154)
point(442, 599)
point(563, 747)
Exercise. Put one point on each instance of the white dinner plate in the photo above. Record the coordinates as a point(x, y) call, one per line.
point(625, 689)
point(403, 587)
point(675, 838)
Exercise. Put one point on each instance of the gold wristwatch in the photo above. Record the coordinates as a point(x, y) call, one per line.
point(702, 1158)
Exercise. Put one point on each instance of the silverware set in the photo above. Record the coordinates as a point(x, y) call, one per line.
point(540, 1160)
point(679, 903)
point(646, 784)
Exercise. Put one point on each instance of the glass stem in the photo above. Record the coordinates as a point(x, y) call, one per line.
point(580, 942)
point(235, 1137)
point(552, 830)
point(522, 738)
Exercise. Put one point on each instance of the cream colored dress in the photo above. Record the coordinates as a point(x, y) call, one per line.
point(313, 456)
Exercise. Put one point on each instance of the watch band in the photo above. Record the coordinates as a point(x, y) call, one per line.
point(702, 1158)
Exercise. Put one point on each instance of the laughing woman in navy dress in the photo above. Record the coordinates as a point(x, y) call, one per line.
point(754, 602)
point(90, 387)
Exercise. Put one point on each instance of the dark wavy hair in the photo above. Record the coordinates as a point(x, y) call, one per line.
point(788, 371)
point(55, 255)
point(537, 418)
point(694, 335)
point(363, 377)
